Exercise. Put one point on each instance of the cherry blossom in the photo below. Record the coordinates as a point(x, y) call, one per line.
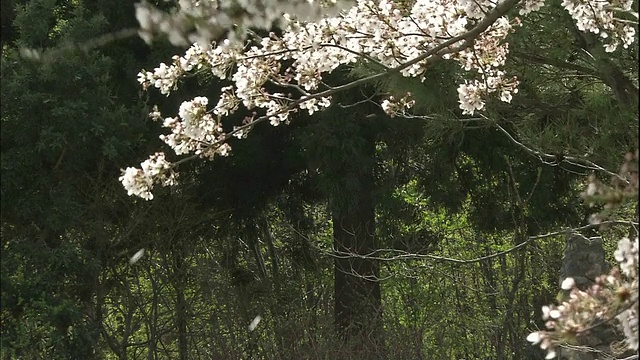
point(139, 182)
point(404, 38)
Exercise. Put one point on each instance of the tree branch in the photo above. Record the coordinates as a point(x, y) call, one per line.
point(556, 63)
point(403, 255)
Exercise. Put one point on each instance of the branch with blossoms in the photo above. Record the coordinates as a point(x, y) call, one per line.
point(613, 297)
point(392, 36)
point(429, 33)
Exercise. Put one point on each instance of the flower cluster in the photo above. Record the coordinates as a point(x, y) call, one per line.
point(139, 182)
point(194, 130)
point(598, 17)
point(486, 57)
point(165, 77)
point(530, 6)
point(613, 296)
point(392, 106)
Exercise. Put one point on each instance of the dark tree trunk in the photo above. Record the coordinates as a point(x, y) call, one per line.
point(358, 305)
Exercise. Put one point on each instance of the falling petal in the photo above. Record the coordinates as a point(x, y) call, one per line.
point(255, 323)
point(134, 259)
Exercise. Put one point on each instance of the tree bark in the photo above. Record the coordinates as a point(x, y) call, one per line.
point(358, 305)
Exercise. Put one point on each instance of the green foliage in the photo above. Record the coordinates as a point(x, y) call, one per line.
point(66, 123)
point(61, 121)
point(43, 293)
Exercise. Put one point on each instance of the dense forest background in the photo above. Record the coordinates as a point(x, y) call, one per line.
point(347, 234)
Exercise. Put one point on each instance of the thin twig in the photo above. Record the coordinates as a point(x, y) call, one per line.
point(403, 256)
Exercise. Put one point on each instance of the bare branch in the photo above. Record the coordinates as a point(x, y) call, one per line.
point(547, 158)
point(403, 255)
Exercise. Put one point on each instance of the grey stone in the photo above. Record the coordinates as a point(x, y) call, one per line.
point(584, 260)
